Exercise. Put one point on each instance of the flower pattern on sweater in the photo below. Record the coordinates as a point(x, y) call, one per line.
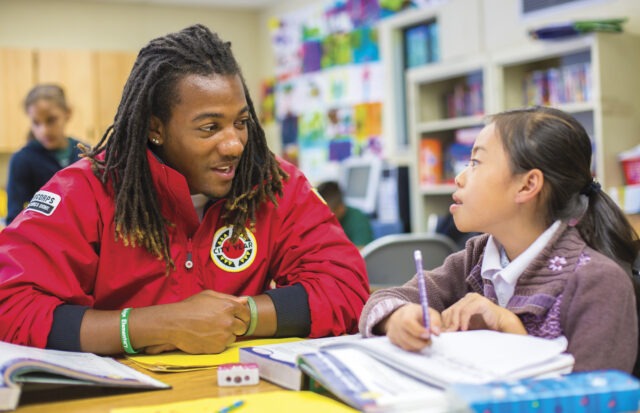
point(557, 263)
point(583, 259)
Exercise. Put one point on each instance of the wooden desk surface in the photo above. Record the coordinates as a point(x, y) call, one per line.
point(88, 399)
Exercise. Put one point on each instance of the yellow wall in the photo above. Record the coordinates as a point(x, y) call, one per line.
point(4, 165)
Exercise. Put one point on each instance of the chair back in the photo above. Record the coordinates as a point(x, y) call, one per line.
point(389, 259)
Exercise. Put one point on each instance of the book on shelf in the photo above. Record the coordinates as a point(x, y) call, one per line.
point(473, 357)
point(421, 44)
point(23, 367)
point(430, 162)
point(277, 362)
point(560, 85)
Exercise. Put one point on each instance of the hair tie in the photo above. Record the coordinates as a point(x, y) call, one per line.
point(592, 187)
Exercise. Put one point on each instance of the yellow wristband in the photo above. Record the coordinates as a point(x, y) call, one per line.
point(124, 332)
point(253, 321)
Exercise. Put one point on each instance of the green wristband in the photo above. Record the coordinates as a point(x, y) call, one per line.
point(124, 332)
point(253, 321)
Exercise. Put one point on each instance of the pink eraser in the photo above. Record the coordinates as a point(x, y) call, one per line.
point(238, 374)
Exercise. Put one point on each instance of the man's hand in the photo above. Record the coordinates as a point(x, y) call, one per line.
point(205, 323)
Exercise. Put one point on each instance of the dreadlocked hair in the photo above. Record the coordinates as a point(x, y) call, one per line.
point(151, 91)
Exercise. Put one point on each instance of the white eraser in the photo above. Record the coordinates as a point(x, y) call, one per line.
point(238, 374)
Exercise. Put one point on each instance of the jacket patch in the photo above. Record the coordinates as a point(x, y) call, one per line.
point(44, 202)
point(233, 257)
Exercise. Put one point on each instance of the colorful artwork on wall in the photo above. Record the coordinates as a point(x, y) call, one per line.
point(329, 82)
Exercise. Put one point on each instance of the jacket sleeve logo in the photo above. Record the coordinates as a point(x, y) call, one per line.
point(44, 202)
point(233, 256)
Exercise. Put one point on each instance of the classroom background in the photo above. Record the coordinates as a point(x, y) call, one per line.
point(383, 96)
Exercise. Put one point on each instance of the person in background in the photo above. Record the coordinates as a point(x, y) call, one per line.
point(169, 232)
point(48, 148)
point(354, 222)
point(554, 259)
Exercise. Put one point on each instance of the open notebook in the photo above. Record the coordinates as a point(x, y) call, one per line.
point(348, 369)
point(22, 366)
point(477, 356)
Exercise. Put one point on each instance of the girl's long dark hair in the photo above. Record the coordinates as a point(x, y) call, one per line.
point(554, 142)
point(151, 91)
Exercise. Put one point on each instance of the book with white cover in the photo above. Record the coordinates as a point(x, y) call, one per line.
point(277, 362)
point(21, 365)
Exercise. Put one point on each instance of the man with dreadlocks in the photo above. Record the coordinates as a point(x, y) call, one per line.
point(171, 232)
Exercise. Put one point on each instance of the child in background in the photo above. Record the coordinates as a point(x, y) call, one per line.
point(353, 221)
point(554, 259)
point(48, 149)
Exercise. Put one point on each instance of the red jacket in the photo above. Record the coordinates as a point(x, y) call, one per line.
point(64, 252)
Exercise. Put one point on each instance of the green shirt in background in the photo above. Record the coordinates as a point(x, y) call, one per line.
point(63, 156)
point(357, 227)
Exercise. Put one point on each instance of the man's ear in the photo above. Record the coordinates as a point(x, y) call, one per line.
point(155, 131)
point(531, 183)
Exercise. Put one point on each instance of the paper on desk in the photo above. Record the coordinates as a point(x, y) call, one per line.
point(176, 361)
point(275, 401)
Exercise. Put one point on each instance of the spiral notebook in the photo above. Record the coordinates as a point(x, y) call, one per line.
point(475, 357)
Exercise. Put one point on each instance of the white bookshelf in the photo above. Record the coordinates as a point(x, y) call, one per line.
point(397, 143)
point(611, 115)
point(427, 118)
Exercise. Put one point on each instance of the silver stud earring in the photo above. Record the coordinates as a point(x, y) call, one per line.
point(155, 141)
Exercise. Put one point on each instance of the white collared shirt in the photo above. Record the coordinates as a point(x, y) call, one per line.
point(199, 201)
point(504, 274)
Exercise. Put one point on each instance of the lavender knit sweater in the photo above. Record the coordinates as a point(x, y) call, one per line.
point(568, 289)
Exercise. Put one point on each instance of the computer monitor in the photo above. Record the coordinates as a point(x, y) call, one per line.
point(360, 182)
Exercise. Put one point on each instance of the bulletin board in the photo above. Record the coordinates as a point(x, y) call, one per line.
point(328, 85)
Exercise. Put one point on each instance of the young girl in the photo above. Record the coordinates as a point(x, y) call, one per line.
point(555, 257)
point(48, 148)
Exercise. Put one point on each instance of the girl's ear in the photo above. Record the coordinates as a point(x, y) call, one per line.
point(531, 185)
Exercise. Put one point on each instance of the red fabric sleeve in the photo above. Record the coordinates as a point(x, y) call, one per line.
point(315, 252)
point(46, 260)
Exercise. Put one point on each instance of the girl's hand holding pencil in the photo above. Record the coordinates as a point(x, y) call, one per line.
point(405, 327)
point(410, 326)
